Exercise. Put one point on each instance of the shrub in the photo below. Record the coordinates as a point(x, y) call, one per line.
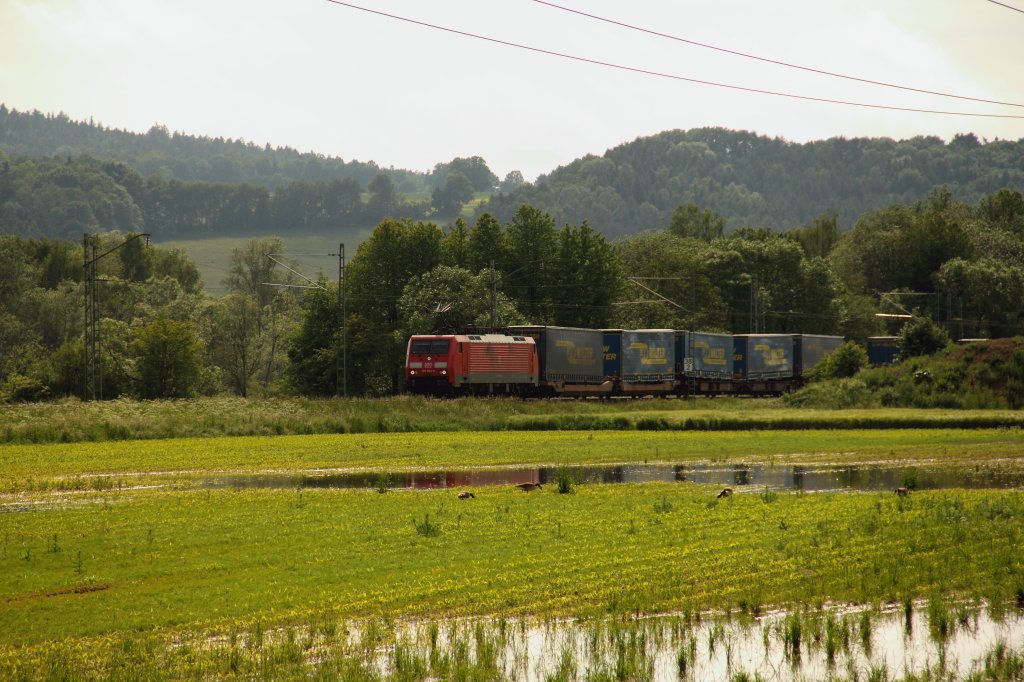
point(22, 389)
point(836, 394)
point(921, 336)
point(842, 363)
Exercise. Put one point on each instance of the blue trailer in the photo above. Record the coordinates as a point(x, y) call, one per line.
point(762, 356)
point(648, 356)
point(612, 352)
point(883, 350)
point(708, 355)
point(571, 359)
point(810, 349)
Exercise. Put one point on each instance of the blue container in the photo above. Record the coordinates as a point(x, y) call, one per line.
point(648, 355)
point(883, 350)
point(762, 356)
point(708, 355)
point(567, 354)
point(810, 349)
point(612, 352)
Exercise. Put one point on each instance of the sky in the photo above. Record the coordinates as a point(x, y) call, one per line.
point(320, 76)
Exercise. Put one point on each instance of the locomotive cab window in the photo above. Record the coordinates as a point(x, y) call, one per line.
point(429, 347)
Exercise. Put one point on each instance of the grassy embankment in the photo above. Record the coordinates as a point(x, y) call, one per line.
point(73, 421)
point(978, 375)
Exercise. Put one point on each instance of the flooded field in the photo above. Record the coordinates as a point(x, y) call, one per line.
point(277, 558)
point(941, 641)
point(816, 478)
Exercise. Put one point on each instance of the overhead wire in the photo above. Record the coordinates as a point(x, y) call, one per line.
point(660, 74)
point(1003, 4)
point(777, 62)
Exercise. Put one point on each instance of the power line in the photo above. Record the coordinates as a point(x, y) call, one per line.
point(775, 61)
point(1003, 4)
point(670, 76)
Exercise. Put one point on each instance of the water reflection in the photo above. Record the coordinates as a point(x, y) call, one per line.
point(776, 477)
point(834, 644)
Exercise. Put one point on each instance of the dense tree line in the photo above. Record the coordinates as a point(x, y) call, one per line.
point(190, 158)
point(955, 267)
point(183, 157)
point(185, 186)
point(65, 198)
point(759, 181)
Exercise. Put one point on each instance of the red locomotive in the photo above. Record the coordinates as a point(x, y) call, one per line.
point(451, 364)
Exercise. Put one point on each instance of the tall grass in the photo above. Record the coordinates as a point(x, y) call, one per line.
point(74, 421)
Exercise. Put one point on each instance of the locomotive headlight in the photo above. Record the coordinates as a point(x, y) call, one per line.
point(412, 371)
point(444, 371)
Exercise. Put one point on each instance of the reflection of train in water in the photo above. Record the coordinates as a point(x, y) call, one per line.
point(567, 361)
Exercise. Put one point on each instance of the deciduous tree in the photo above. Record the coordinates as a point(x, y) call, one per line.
point(167, 359)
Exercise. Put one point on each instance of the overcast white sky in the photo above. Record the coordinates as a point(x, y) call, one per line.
point(320, 77)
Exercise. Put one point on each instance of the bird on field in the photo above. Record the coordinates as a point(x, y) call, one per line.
point(726, 492)
point(902, 491)
point(527, 487)
point(465, 495)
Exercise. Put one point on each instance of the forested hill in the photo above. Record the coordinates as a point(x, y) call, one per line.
point(183, 157)
point(758, 181)
point(60, 177)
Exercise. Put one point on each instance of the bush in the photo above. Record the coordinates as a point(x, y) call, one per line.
point(921, 336)
point(22, 389)
point(842, 363)
point(835, 394)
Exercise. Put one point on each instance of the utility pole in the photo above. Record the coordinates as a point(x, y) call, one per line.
point(340, 371)
point(342, 296)
point(90, 388)
point(693, 305)
point(494, 297)
point(753, 305)
point(93, 388)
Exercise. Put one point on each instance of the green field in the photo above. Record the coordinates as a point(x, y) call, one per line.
point(213, 256)
point(81, 466)
point(102, 575)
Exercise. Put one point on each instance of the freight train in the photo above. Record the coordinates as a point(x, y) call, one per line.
point(544, 361)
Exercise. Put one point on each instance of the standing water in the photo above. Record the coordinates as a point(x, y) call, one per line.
point(829, 644)
point(789, 477)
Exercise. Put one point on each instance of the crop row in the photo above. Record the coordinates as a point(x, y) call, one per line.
point(230, 558)
point(101, 466)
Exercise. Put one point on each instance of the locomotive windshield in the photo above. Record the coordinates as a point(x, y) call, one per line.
point(429, 346)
